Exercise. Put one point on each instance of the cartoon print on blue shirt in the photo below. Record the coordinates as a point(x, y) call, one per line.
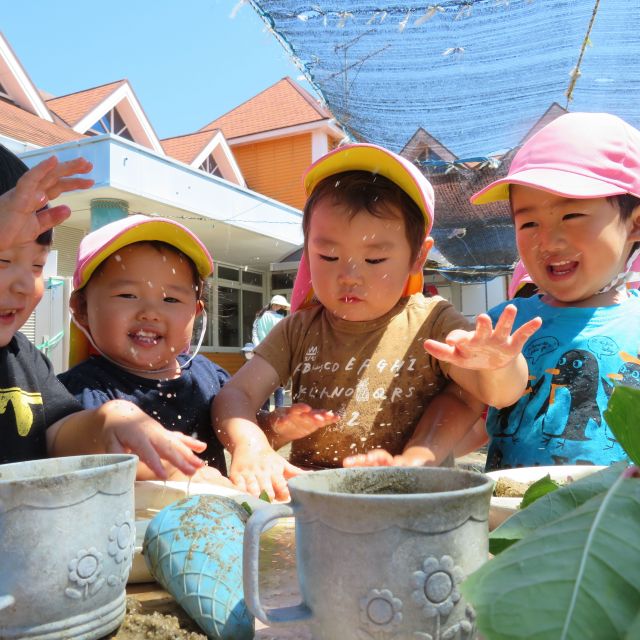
point(505, 420)
point(578, 371)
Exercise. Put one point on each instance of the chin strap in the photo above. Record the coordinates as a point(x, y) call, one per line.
point(203, 329)
point(628, 275)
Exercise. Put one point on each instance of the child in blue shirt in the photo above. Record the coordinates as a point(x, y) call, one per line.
point(574, 192)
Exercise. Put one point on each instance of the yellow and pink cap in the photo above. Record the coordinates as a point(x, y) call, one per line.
point(377, 160)
point(98, 245)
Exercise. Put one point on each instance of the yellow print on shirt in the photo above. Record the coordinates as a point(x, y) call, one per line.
point(21, 402)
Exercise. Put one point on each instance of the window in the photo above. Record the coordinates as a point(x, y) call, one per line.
point(111, 122)
point(282, 280)
point(234, 296)
point(210, 166)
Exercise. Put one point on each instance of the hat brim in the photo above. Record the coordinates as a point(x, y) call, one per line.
point(147, 231)
point(364, 157)
point(560, 183)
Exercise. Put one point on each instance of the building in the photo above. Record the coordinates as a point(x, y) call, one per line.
point(249, 221)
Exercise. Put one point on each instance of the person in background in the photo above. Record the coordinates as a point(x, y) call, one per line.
point(39, 416)
point(357, 351)
point(138, 288)
point(574, 193)
point(267, 318)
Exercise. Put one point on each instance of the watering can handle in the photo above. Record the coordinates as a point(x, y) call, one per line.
point(250, 568)
point(6, 601)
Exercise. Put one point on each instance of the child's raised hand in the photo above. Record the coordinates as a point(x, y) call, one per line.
point(486, 347)
point(20, 217)
point(299, 420)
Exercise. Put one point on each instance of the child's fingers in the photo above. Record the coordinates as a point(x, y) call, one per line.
point(504, 325)
point(484, 327)
point(439, 350)
point(280, 488)
point(49, 218)
point(193, 443)
point(523, 333)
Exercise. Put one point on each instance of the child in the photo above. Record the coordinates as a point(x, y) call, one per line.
point(359, 352)
point(138, 288)
point(38, 417)
point(574, 192)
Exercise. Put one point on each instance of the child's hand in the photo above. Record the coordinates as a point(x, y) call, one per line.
point(299, 420)
point(45, 182)
point(416, 457)
point(256, 468)
point(206, 475)
point(486, 347)
point(128, 429)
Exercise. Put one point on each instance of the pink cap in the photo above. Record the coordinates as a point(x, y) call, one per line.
point(519, 278)
point(97, 246)
point(578, 155)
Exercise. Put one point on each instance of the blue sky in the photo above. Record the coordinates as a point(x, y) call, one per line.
point(188, 61)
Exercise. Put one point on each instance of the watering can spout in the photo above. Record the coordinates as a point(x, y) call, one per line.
point(6, 601)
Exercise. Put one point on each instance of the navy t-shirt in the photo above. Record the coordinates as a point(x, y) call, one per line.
point(31, 400)
point(182, 404)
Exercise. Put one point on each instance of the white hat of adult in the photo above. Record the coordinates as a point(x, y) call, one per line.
point(281, 300)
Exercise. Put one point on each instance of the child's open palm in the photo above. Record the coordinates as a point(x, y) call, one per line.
point(486, 347)
point(21, 215)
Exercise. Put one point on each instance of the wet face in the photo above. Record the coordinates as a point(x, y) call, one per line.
point(139, 308)
point(571, 248)
point(359, 265)
point(21, 286)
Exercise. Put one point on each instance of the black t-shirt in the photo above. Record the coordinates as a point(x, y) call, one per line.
point(182, 404)
point(31, 399)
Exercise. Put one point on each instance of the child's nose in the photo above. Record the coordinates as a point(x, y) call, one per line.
point(24, 281)
point(552, 238)
point(350, 274)
point(148, 311)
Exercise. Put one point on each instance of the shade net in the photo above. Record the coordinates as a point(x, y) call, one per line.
point(456, 85)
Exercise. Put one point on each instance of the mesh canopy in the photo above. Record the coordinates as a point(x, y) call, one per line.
point(470, 79)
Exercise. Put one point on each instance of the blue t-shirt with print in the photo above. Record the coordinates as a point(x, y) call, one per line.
point(574, 359)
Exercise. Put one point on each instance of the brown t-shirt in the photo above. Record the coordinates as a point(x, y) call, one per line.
point(376, 375)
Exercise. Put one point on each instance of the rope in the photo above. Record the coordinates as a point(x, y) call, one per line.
point(575, 73)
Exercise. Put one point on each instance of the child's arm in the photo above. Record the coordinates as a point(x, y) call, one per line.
point(475, 438)
point(21, 217)
point(488, 362)
point(444, 424)
point(255, 466)
point(119, 426)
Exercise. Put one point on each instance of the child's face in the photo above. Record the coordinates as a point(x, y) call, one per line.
point(571, 248)
point(21, 286)
point(359, 265)
point(140, 309)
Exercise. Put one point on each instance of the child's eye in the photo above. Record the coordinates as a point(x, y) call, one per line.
point(571, 216)
point(3, 261)
point(527, 225)
point(328, 258)
point(375, 260)
point(170, 299)
point(126, 296)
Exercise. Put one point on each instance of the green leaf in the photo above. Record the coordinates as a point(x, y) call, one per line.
point(552, 506)
point(622, 416)
point(538, 489)
point(247, 507)
point(574, 578)
point(264, 496)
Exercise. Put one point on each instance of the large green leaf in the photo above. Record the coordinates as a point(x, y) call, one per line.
point(623, 418)
point(552, 506)
point(572, 579)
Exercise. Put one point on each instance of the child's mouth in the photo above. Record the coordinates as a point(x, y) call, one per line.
point(349, 299)
point(7, 316)
point(145, 338)
point(562, 268)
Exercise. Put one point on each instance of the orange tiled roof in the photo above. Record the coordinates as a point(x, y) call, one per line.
point(21, 125)
point(284, 104)
point(186, 148)
point(74, 106)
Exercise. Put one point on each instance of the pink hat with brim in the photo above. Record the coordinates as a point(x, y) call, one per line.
point(519, 278)
point(577, 155)
point(377, 160)
point(98, 245)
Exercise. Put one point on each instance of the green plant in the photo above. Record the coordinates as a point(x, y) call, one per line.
point(567, 567)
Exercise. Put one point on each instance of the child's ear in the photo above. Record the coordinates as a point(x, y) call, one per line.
point(78, 306)
point(634, 232)
point(421, 258)
point(199, 307)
